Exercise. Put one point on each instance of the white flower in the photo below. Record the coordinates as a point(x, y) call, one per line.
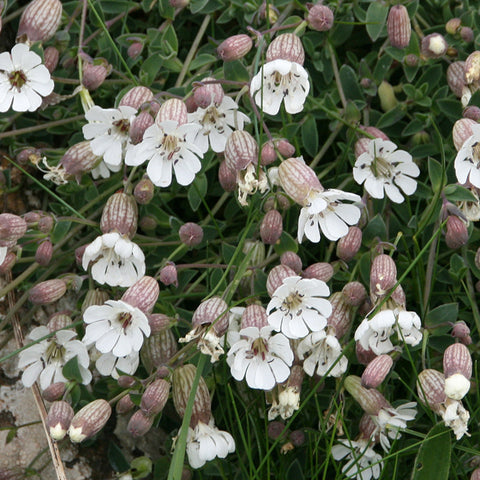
point(234, 325)
point(296, 307)
point(325, 212)
point(467, 161)
point(471, 208)
point(363, 462)
point(108, 131)
point(47, 358)
point(456, 417)
point(248, 183)
point(456, 386)
point(374, 333)
point(117, 261)
point(408, 327)
point(208, 342)
point(23, 80)
point(109, 365)
point(115, 327)
point(264, 360)
point(205, 442)
point(323, 354)
point(277, 81)
point(3, 254)
point(288, 402)
point(167, 145)
point(386, 170)
point(217, 124)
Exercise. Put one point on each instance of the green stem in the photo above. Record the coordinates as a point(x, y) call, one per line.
point(41, 126)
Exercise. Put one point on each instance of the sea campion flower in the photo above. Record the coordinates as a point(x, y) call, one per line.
point(45, 360)
point(280, 80)
point(108, 132)
point(324, 212)
point(166, 145)
point(117, 261)
point(23, 80)
point(385, 170)
point(115, 327)
point(109, 365)
point(296, 307)
point(262, 359)
point(467, 161)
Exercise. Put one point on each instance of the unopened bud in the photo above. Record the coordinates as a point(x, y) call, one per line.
point(147, 223)
point(58, 321)
point(472, 112)
point(431, 388)
point(355, 293)
point(411, 60)
point(462, 131)
point(40, 20)
point(29, 155)
point(79, 159)
point(89, 420)
point(144, 191)
point(341, 317)
point(139, 125)
point(461, 331)
point(158, 349)
point(271, 227)
point(241, 150)
point(475, 474)
point(467, 35)
point(453, 25)
point(276, 276)
point(50, 58)
point(268, 154)
point(286, 46)
point(320, 18)
point(363, 355)
point(47, 292)
point(321, 271)
point(143, 294)
point(434, 45)
point(456, 235)
point(367, 428)
point(58, 419)
point(139, 424)
point(398, 26)
point(285, 148)
point(376, 371)
point(208, 93)
point(213, 311)
point(120, 214)
point(292, 260)
point(297, 437)
point(388, 101)
point(472, 67)
point(124, 405)
point(155, 397)
point(94, 75)
point(298, 179)
point(234, 48)
point(44, 253)
point(54, 391)
point(168, 274)
point(45, 224)
point(371, 400)
point(349, 245)
point(94, 297)
point(173, 109)
point(8, 263)
point(158, 322)
point(136, 97)
point(191, 234)
point(254, 316)
point(383, 275)
point(12, 228)
point(276, 429)
point(361, 146)
point(226, 177)
point(457, 359)
point(126, 381)
point(135, 49)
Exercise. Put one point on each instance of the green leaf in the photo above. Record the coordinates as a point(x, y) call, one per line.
point(169, 40)
point(141, 467)
point(435, 173)
point(116, 458)
point(375, 228)
point(228, 251)
point(150, 68)
point(197, 191)
point(11, 435)
point(286, 244)
point(433, 458)
point(376, 17)
point(451, 108)
point(166, 10)
point(391, 117)
point(457, 193)
point(442, 314)
point(60, 230)
point(201, 60)
point(71, 370)
point(350, 83)
point(197, 5)
point(310, 136)
point(381, 68)
point(235, 71)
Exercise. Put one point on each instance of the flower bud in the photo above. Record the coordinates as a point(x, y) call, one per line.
point(126, 381)
point(183, 377)
point(94, 297)
point(355, 293)
point(155, 397)
point(209, 93)
point(44, 253)
point(120, 214)
point(383, 275)
point(286, 46)
point(45, 224)
point(139, 424)
point(285, 148)
point(143, 294)
point(411, 60)
point(268, 154)
point(29, 155)
point(254, 316)
point(456, 235)
point(457, 359)
point(363, 356)
point(472, 112)
point(434, 45)
point(212, 311)
point(462, 332)
point(8, 263)
point(40, 20)
point(431, 388)
point(271, 227)
point(147, 223)
point(226, 177)
point(361, 146)
point(54, 392)
point(136, 97)
point(475, 474)
point(462, 131)
point(367, 428)
point(50, 58)
point(291, 260)
point(349, 245)
point(320, 18)
point(191, 234)
point(12, 228)
point(47, 292)
point(94, 75)
point(235, 47)
point(376, 371)
point(388, 101)
point(168, 274)
point(341, 317)
point(467, 35)
point(158, 349)
point(58, 419)
point(59, 321)
point(241, 150)
point(371, 400)
point(139, 125)
point(453, 25)
point(472, 67)
point(124, 405)
point(398, 26)
point(173, 109)
point(89, 420)
point(276, 429)
point(298, 179)
point(144, 191)
point(135, 49)
point(276, 276)
point(79, 159)
point(321, 271)
point(158, 322)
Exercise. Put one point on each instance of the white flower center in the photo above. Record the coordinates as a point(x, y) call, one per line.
point(382, 168)
point(124, 319)
point(259, 347)
point(17, 79)
point(170, 145)
point(54, 352)
point(210, 119)
point(122, 126)
point(293, 301)
point(278, 82)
